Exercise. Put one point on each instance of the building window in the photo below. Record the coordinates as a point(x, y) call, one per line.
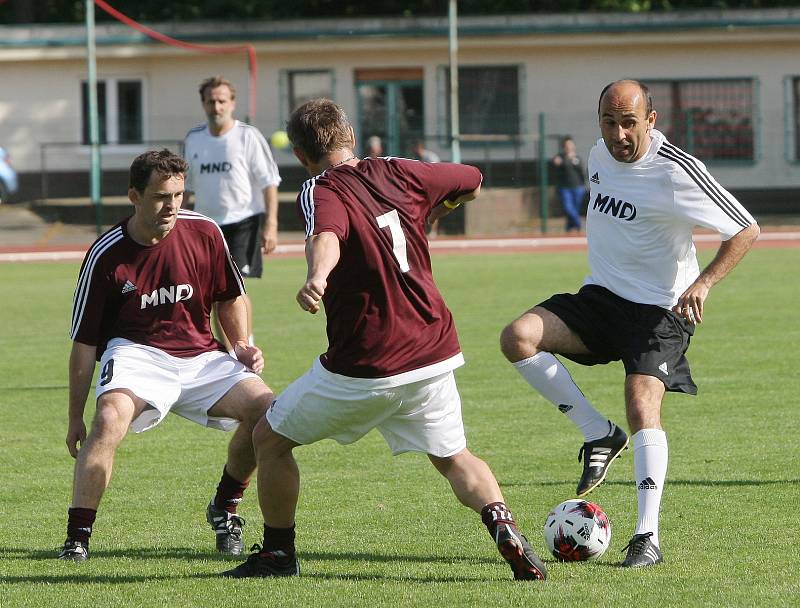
point(307, 85)
point(711, 119)
point(129, 111)
point(119, 111)
point(101, 111)
point(488, 102)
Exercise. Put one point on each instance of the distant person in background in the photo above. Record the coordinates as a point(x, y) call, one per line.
point(234, 180)
point(427, 156)
point(641, 301)
point(570, 182)
point(141, 308)
point(423, 154)
point(374, 146)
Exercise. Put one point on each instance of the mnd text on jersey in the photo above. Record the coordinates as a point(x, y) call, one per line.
point(617, 208)
point(164, 295)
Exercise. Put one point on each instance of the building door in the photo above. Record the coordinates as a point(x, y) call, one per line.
point(390, 107)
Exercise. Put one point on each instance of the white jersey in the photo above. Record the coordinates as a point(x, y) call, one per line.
point(640, 220)
point(229, 173)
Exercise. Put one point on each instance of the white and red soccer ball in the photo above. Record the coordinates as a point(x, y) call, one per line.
point(577, 530)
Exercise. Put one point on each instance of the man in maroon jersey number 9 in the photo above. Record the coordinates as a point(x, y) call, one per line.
point(141, 308)
point(392, 344)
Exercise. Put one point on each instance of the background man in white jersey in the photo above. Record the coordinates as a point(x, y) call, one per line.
point(234, 180)
point(641, 300)
point(142, 305)
point(392, 344)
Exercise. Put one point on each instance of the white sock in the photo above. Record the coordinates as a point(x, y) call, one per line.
point(548, 375)
point(650, 455)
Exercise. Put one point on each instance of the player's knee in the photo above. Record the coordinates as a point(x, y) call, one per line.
point(256, 407)
point(518, 340)
point(248, 404)
point(268, 443)
point(441, 464)
point(446, 464)
point(110, 423)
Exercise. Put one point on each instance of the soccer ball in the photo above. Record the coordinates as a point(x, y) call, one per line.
point(577, 530)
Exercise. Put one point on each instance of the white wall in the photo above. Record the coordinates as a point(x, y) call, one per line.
point(563, 75)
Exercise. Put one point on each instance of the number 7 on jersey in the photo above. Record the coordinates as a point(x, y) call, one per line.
point(391, 220)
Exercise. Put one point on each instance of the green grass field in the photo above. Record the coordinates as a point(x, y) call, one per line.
point(380, 531)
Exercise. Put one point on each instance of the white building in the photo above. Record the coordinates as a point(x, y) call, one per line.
point(726, 85)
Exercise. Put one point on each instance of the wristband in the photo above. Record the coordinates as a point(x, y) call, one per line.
point(451, 205)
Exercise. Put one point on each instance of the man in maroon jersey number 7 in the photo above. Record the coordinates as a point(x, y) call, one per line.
point(392, 344)
point(141, 308)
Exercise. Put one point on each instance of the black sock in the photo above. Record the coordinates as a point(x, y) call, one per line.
point(229, 492)
point(496, 513)
point(278, 539)
point(79, 523)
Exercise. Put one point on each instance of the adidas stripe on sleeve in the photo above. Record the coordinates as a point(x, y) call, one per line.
point(701, 198)
point(86, 289)
point(305, 202)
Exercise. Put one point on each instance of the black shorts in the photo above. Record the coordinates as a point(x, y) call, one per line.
point(244, 243)
point(648, 339)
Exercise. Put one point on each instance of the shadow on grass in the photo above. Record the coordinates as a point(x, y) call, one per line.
point(366, 559)
point(47, 387)
point(397, 578)
point(384, 558)
point(184, 553)
point(111, 579)
point(669, 482)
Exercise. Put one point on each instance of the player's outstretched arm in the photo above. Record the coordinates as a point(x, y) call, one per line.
point(729, 254)
point(322, 255)
point(81, 370)
point(447, 207)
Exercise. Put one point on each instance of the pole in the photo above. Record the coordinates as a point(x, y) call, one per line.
point(94, 130)
point(251, 84)
point(542, 172)
point(455, 139)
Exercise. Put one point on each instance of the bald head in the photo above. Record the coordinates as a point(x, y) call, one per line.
point(627, 88)
point(626, 117)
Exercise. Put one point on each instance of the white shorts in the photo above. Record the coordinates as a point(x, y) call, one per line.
point(188, 387)
point(423, 416)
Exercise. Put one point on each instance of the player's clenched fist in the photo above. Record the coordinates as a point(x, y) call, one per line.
point(250, 355)
point(310, 295)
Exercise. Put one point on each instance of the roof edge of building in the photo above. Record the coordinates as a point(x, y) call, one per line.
point(44, 36)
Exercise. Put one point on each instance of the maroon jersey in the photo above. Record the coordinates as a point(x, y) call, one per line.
point(159, 295)
point(385, 313)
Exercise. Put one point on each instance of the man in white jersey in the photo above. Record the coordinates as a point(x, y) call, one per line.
point(641, 301)
point(141, 308)
point(234, 180)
